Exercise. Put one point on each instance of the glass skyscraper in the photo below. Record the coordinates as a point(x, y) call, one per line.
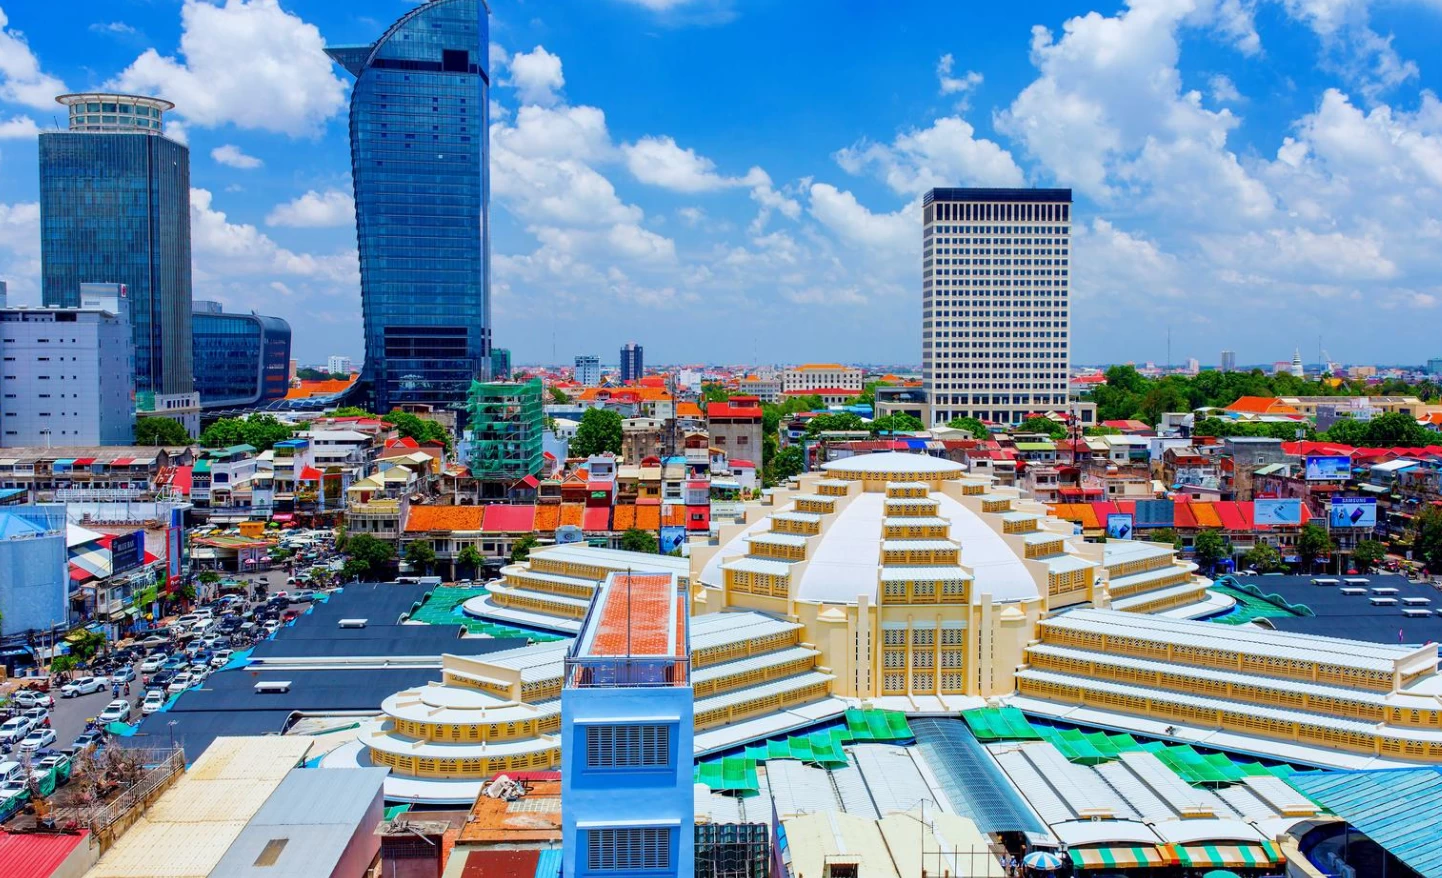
point(115, 208)
point(419, 163)
point(240, 359)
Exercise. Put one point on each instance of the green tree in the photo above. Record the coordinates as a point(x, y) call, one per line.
point(1163, 398)
point(1313, 543)
point(1427, 542)
point(558, 396)
point(353, 569)
point(896, 422)
point(973, 426)
point(259, 431)
point(373, 553)
point(714, 393)
point(1044, 426)
point(420, 555)
point(635, 540)
point(418, 428)
point(1264, 558)
point(1367, 554)
point(521, 548)
point(90, 643)
point(788, 462)
point(351, 411)
point(832, 421)
point(1165, 535)
point(1391, 430)
point(1210, 548)
point(470, 558)
point(155, 431)
point(598, 432)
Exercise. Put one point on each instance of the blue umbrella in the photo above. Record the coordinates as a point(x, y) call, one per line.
point(1045, 861)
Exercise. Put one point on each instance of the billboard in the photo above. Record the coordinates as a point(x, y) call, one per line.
point(127, 551)
point(1329, 469)
point(672, 538)
point(1155, 513)
point(1275, 512)
point(1353, 512)
point(567, 534)
point(174, 547)
point(1119, 526)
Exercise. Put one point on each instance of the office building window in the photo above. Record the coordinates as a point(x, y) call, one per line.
point(617, 850)
point(628, 746)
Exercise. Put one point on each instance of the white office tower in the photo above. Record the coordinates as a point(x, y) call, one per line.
point(994, 302)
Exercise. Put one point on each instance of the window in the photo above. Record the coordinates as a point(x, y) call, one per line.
point(627, 746)
point(618, 850)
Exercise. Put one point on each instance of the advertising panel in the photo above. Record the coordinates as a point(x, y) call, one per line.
point(1277, 512)
point(1119, 526)
point(672, 538)
point(127, 552)
point(568, 533)
point(174, 547)
point(1353, 512)
point(1329, 469)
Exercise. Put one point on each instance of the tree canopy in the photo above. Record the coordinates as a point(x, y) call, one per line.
point(598, 432)
point(1427, 542)
point(896, 422)
point(257, 430)
point(418, 428)
point(833, 421)
point(788, 462)
point(1043, 425)
point(1264, 558)
point(367, 556)
point(1367, 554)
point(1210, 547)
point(973, 426)
point(521, 548)
point(1313, 543)
point(160, 431)
point(635, 540)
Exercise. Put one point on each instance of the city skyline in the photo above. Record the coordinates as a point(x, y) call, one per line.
point(1220, 157)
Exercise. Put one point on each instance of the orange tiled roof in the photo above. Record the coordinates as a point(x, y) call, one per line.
point(675, 516)
point(425, 519)
point(624, 517)
point(647, 517)
point(548, 517)
point(637, 618)
point(1206, 515)
point(571, 514)
point(688, 410)
point(308, 389)
point(1261, 405)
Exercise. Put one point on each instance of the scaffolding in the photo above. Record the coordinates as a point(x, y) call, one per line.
point(506, 420)
point(733, 850)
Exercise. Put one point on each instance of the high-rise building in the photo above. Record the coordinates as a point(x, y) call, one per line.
point(419, 165)
point(339, 365)
point(995, 302)
point(115, 208)
point(588, 370)
point(69, 373)
point(1434, 366)
point(240, 359)
point(1229, 361)
point(821, 376)
point(500, 364)
point(627, 725)
point(633, 362)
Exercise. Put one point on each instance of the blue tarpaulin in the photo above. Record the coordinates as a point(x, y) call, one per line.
point(1399, 809)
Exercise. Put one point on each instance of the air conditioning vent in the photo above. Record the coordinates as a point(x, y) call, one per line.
point(272, 687)
point(352, 623)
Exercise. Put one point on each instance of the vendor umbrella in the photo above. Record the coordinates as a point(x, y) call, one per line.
point(1220, 873)
point(1045, 861)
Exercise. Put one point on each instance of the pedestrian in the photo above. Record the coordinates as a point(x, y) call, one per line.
point(127, 690)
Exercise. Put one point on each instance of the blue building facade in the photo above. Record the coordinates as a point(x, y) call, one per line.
point(420, 167)
point(627, 731)
point(240, 359)
point(115, 208)
point(34, 570)
point(633, 362)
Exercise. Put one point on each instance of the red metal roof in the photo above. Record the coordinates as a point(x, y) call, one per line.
point(726, 410)
point(530, 481)
point(509, 519)
point(84, 461)
point(599, 486)
point(596, 519)
point(309, 474)
point(125, 461)
point(698, 517)
point(181, 480)
point(1232, 517)
point(736, 461)
point(500, 864)
point(36, 855)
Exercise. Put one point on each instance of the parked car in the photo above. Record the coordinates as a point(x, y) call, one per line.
point(14, 729)
point(154, 641)
point(125, 675)
point(304, 596)
point(30, 698)
point(221, 658)
point(154, 700)
point(49, 763)
point(11, 788)
point(36, 740)
point(87, 742)
point(153, 663)
point(180, 683)
point(271, 626)
point(117, 711)
point(161, 679)
point(38, 716)
point(82, 686)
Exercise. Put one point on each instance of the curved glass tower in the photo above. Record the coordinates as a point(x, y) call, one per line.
point(420, 166)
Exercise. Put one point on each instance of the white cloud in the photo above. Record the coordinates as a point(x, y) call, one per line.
point(248, 63)
point(1223, 90)
point(232, 156)
point(957, 85)
point(556, 133)
point(21, 79)
point(117, 28)
point(536, 76)
point(659, 161)
point(20, 251)
point(893, 234)
point(660, 5)
point(224, 248)
point(946, 154)
point(18, 128)
point(315, 210)
point(1350, 45)
point(176, 131)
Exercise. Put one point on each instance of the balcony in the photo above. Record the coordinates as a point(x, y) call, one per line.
point(634, 672)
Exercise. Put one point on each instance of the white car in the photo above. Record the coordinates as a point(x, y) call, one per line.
point(181, 682)
point(12, 788)
point(47, 765)
point(153, 663)
point(14, 729)
point(117, 711)
point(271, 626)
point(222, 658)
point(38, 717)
point(154, 700)
point(82, 686)
point(36, 740)
point(31, 698)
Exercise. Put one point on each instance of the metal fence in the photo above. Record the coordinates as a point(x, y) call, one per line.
point(164, 765)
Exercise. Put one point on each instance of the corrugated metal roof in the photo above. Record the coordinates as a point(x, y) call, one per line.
point(1399, 809)
point(892, 778)
point(300, 851)
point(322, 795)
point(800, 789)
point(37, 853)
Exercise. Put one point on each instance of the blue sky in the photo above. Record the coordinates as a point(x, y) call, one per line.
point(731, 181)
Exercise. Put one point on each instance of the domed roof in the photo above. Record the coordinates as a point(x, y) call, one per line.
point(893, 462)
